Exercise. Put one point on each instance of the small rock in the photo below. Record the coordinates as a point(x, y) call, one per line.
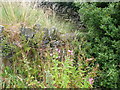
point(27, 32)
point(37, 27)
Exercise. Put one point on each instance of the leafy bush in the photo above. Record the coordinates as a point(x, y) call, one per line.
point(103, 39)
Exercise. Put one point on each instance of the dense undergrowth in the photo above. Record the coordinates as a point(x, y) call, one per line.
point(31, 63)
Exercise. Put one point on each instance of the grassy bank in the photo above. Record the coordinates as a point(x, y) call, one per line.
point(32, 65)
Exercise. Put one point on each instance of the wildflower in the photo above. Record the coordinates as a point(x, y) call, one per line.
point(70, 51)
point(51, 54)
point(38, 82)
point(58, 56)
point(58, 50)
point(91, 80)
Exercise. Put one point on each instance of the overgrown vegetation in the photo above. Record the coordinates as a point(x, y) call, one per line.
point(30, 63)
point(39, 49)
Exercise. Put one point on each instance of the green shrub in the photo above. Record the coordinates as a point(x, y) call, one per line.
point(103, 39)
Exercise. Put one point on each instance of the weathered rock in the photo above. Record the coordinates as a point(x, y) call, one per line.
point(27, 32)
point(55, 43)
point(1, 29)
point(52, 32)
point(37, 27)
point(1, 38)
point(46, 34)
point(1, 35)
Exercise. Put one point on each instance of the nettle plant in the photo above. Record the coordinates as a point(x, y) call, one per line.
point(29, 63)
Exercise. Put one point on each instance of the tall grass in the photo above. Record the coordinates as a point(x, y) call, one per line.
point(14, 13)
